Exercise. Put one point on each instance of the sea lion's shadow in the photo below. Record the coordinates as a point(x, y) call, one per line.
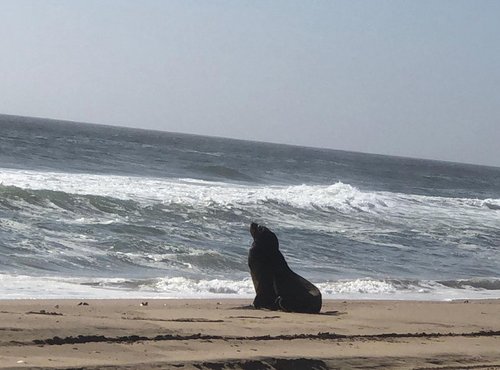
point(326, 313)
point(332, 313)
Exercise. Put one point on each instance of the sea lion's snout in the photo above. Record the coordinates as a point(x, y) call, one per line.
point(253, 229)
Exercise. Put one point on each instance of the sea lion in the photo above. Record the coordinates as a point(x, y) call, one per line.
point(277, 287)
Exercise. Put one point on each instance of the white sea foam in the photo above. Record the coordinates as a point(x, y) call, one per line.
point(362, 286)
point(29, 287)
point(181, 285)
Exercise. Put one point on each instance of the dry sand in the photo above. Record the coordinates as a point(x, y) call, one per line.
point(227, 334)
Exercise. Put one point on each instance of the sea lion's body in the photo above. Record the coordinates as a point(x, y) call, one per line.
point(276, 285)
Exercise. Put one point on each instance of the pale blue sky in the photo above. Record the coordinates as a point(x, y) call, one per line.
point(413, 78)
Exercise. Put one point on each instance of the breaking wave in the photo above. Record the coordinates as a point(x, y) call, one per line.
point(62, 190)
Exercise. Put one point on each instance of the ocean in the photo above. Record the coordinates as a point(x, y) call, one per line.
point(94, 211)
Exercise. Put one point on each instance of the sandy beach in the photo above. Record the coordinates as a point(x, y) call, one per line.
point(228, 334)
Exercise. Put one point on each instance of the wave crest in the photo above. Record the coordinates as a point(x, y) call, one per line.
point(61, 188)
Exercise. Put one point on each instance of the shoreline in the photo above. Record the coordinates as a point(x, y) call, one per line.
point(244, 298)
point(14, 286)
point(227, 333)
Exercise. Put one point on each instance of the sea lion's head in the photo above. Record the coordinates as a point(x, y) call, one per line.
point(264, 237)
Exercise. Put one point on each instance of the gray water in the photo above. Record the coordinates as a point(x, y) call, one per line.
point(98, 210)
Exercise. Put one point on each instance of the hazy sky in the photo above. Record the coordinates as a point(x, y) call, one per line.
point(414, 78)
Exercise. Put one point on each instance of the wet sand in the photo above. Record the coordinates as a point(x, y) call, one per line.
point(228, 334)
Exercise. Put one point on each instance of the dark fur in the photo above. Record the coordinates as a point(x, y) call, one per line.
point(276, 285)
